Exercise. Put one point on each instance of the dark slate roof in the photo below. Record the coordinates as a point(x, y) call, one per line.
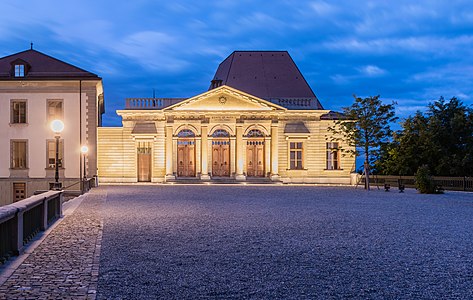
point(41, 66)
point(144, 128)
point(270, 75)
point(298, 127)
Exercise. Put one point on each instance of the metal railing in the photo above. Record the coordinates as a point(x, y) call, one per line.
point(447, 183)
point(22, 220)
point(89, 183)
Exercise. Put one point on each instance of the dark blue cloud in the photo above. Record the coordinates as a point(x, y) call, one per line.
point(412, 52)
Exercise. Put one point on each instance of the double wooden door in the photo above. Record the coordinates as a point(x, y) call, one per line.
point(186, 157)
point(255, 157)
point(221, 157)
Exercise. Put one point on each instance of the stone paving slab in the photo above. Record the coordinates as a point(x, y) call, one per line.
point(65, 265)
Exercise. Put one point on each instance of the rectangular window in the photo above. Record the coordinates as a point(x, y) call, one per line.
point(19, 191)
point(19, 70)
point(18, 112)
point(19, 155)
point(55, 111)
point(51, 154)
point(295, 155)
point(333, 156)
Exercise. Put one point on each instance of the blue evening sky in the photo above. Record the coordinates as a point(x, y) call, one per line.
point(412, 52)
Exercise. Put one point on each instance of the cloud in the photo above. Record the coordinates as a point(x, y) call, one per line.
point(152, 49)
point(323, 8)
point(372, 71)
point(424, 44)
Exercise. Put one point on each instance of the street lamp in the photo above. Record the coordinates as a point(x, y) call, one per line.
point(57, 126)
point(84, 149)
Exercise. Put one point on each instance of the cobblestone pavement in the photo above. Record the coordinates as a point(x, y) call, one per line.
point(285, 242)
point(65, 265)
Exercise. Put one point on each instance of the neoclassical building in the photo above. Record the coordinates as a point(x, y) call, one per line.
point(259, 121)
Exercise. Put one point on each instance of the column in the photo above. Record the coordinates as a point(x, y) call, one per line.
point(169, 156)
point(274, 151)
point(239, 152)
point(204, 152)
point(233, 158)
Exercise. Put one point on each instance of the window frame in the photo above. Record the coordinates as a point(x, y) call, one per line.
point(61, 154)
point(12, 154)
point(303, 151)
point(12, 114)
point(19, 72)
point(14, 190)
point(329, 151)
point(50, 117)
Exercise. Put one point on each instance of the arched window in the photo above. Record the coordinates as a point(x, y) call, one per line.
point(186, 133)
point(220, 133)
point(255, 133)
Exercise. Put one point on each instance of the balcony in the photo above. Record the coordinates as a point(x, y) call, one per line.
point(150, 103)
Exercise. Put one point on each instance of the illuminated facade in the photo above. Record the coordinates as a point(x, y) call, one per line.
point(228, 133)
point(35, 89)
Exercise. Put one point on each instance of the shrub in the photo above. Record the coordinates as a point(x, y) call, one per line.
point(424, 182)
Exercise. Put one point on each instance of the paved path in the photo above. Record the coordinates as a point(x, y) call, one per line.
point(65, 265)
point(254, 242)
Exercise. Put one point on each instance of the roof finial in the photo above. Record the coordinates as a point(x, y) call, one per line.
point(31, 45)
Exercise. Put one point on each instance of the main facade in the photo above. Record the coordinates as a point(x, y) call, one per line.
point(259, 121)
point(34, 90)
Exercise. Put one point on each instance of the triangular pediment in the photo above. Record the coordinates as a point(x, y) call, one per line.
point(224, 98)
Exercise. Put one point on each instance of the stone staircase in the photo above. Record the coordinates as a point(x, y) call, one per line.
point(222, 180)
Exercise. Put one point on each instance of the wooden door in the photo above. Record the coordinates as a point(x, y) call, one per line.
point(221, 157)
point(255, 157)
point(144, 162)
point(186, 157)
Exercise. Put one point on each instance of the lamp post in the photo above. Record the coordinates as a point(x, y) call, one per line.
point(84, 149)
point(57, 126)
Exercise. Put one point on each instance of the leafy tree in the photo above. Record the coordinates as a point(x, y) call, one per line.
point(451, 128)
point(411, 146)
point(442, 139)
point(365, 127)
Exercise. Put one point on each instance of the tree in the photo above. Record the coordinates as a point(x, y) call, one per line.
point(365, 127)
point(411, 148)
point(442, 140)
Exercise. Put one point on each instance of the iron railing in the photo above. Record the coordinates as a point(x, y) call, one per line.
point(446, 183)
point(22, 220)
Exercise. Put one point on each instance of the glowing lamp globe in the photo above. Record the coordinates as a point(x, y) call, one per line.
point(84, 149)
point(57, 126)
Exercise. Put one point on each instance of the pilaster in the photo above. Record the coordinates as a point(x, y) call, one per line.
point(274, 150)
point(239, 152)
point(169, 152)
point(204, 152)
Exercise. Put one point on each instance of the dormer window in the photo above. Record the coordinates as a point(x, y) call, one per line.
point(19, 70)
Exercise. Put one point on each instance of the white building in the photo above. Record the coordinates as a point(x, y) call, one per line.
point(34, 90)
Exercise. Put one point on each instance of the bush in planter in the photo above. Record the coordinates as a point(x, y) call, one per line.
point(424, 182)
